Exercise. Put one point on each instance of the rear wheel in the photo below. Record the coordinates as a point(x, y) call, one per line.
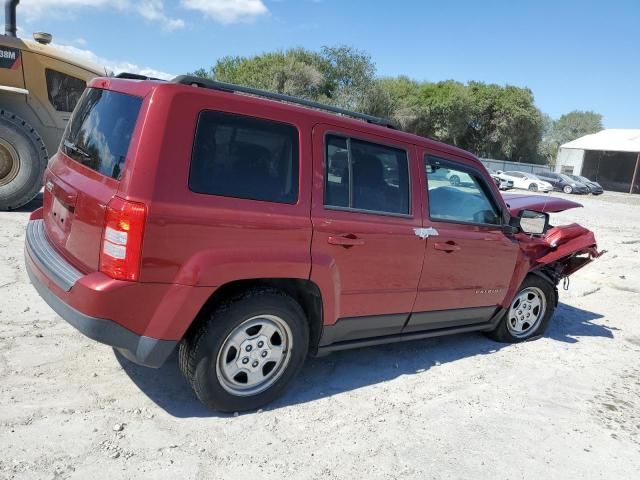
point(23, 158)
point(454, 180)
point(567, 189)
point(529, 313)
point(246, 352)
point(533, 187)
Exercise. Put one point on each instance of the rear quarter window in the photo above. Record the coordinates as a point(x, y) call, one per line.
point(245, 157)
point(100, 130)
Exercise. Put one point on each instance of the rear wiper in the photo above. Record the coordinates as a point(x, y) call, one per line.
point(76, 149)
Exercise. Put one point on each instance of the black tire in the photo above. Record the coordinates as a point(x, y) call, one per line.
point(32, 159)
point(533, 187)
point(198, 352)
point(502, 333)
point(454, 180)
point(567, 189)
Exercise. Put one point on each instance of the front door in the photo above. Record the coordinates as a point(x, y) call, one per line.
point(469, 260)
point(366, 256)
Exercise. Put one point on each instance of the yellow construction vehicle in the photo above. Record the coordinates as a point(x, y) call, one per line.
point(39, 88)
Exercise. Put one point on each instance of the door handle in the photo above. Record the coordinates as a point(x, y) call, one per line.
point(446, 246)
point(346, 241)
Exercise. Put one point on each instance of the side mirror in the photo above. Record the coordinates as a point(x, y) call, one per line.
point(533, 223)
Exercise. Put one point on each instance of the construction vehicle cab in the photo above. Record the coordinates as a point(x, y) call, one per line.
point(39, 88)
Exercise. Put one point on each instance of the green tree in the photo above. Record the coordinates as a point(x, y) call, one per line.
point(487, 119)
point(292, 72)
point(350, 74)
point(576, 124)
point(403, 97)
point(568, 127)
point(341, 76)
point(548, 146)
point(504, 123)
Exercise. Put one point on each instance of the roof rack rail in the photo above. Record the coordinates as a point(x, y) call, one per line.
point(230, 87)
point(135, 76)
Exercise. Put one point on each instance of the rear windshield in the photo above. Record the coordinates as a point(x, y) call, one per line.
point(100, 130)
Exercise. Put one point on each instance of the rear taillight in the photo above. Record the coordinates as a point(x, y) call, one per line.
point(122, 239)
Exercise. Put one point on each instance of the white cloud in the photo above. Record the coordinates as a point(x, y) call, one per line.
point(152, 10)
point(115, 66)
point(228, 11)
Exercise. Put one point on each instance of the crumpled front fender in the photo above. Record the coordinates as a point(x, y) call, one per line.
point(567, 248)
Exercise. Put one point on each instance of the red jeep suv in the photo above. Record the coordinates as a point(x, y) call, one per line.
point(250, 229)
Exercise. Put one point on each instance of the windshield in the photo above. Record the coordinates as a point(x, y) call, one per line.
point(100, 130)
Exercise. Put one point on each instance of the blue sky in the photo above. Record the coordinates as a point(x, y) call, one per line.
point(572, 54)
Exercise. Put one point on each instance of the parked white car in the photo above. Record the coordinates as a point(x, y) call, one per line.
point(526, 181)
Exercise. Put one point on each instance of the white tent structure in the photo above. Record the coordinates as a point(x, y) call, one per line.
point(610, 157)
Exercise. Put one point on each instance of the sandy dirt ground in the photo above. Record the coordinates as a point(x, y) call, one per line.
point(565, 406)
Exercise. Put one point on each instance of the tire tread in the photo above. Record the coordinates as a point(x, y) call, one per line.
point(190, 348)
point(21, 126)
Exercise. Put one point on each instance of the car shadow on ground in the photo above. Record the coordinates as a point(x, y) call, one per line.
point(353, 369)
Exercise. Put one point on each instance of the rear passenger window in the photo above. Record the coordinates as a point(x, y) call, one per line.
point(366, 176)
point(245, 157)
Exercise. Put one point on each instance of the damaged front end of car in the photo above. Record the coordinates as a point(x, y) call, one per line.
point(561, 250)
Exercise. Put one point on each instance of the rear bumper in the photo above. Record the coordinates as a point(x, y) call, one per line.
point(55, 280)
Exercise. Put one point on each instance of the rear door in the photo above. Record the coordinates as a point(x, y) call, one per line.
point(85, 174)
point(469, 261)
point(366, 255)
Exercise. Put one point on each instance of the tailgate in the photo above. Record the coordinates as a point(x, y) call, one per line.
point(74, 209)
point(85, 174)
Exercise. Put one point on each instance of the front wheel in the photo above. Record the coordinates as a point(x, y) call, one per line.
point(529, 313)
point(246, 352)
point(533, 187)
point(567, 189)
point(454, 180)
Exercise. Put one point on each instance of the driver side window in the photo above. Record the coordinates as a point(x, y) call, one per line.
point(457, 194)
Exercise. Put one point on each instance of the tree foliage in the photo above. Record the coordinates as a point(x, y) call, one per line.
point(576, 124)
point(341, 76)
point(568, 127)
point(487, 119)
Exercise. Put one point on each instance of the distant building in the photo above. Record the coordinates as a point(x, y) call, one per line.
point(610, 157)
